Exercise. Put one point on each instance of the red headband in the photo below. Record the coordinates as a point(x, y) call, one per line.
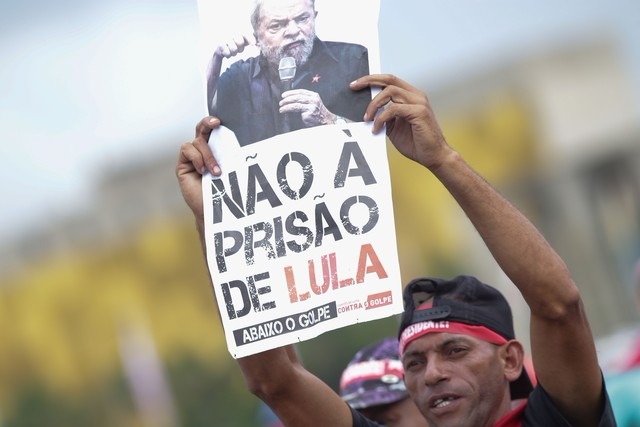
point(417, 330)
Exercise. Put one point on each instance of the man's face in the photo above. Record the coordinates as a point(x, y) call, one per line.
point(456, 380)
point(286, 28)
point(398, 414)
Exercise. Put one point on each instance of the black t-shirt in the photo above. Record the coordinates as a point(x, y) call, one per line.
point(539, 412)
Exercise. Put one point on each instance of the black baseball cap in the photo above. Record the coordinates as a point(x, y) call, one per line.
point(477, 308)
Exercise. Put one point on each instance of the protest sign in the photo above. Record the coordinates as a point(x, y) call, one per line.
point(299, 227)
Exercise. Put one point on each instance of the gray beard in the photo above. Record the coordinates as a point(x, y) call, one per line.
point(300, 54)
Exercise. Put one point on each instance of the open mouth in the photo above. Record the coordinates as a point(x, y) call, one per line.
point(442, 402)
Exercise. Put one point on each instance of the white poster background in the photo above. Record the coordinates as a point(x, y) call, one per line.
point(287, 267)
point(351, 21)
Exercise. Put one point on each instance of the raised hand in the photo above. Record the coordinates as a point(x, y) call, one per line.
point(309, 105)
point(194, 160)
point(410, 122)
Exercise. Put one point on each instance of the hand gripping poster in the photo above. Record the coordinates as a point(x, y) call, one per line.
point(299, 226)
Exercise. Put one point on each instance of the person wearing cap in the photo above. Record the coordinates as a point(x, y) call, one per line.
point(373, 384)
point(462, 363)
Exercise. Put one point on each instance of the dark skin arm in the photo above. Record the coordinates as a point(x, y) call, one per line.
point(276, 376)
point(562, 343)
point(225, 50)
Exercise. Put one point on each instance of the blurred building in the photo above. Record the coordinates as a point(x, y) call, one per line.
point(557, 130)
point(125, 197)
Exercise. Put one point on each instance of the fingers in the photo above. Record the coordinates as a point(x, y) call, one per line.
point(409, 112)
point(310, 106)
point(394, 91)
point(298, 100)
point(298, 94)
point(203, 158)
point(382, 81)
point(189, 163)
point(205, 126)
point(241, 42)
point(189, 160)
point(250, 39)
point(235, 46)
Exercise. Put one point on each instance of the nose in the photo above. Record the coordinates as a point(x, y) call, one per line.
point(435, 372)
point(292, 28)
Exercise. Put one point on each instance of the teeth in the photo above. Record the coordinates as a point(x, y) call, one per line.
point(441, 403)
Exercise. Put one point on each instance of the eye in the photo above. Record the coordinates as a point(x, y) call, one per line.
point(411, 364)
point(457, 351)
point(276, 26)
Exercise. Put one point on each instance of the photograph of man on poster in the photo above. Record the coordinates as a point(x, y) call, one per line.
point(296, 81)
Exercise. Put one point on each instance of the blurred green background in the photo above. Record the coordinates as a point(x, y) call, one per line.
point(106, 315)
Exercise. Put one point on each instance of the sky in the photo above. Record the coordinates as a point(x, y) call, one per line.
point(86, 85)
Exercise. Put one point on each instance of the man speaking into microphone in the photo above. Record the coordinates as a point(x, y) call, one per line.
point(297, 81)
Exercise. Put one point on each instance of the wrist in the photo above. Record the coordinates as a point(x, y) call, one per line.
point(447, 160)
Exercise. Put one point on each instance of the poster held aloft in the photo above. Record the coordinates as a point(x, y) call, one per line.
point(299, 227)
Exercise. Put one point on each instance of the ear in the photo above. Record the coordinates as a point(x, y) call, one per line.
point(513, 359)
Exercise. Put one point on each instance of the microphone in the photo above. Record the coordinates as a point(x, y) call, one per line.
point(286, 71)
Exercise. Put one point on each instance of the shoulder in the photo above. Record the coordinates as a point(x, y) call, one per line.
point(342, 48)
point(240, 67)
point(344, 55)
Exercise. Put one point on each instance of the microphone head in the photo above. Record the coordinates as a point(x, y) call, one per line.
point(287, 68)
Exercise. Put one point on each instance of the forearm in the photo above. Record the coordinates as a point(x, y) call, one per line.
point(295, 395)
point(213, 74)
point(268, 374)
point(278, 378)
point(517, 246)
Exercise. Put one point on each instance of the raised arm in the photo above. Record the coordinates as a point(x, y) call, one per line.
point(562, 344)
point(222, 51)
point(276, 376)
